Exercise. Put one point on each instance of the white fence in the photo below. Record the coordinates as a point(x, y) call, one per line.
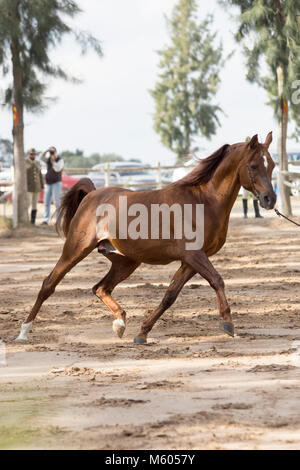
point(107, 170)
point(7, 190)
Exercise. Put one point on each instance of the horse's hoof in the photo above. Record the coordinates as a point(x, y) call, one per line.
point(140, 340)
point(119, 327)
point(23, 338)
point(227, 327)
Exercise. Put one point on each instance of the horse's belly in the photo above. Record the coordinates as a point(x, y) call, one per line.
point(148, 251)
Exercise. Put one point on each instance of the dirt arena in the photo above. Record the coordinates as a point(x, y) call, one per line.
point(77, 386)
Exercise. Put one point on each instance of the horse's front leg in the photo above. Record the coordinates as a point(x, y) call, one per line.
point(200, 262)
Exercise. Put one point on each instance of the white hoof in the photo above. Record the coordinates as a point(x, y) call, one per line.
point(24, 330)
point(119, 327)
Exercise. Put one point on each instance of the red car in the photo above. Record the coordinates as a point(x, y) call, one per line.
point(67, 183)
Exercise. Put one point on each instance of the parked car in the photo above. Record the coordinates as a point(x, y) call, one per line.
point(181, 172)
point(98, 177)
point(6, 181)
point(5, 176)
point(145, 179)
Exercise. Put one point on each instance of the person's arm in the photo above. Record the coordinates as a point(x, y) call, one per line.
point(43, 157)
point(58, 166)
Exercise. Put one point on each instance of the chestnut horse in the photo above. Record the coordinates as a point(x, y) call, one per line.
point(214, 183)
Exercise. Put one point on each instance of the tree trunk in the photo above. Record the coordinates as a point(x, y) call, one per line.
point(20, 179)
point(283, 190)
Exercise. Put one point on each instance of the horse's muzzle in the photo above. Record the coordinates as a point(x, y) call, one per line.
point(268, 201)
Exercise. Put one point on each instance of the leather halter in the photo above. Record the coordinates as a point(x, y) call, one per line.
point(252, 181)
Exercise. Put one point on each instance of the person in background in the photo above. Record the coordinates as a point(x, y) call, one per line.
point(35, 182)
point(246, 194)
point(53, 179)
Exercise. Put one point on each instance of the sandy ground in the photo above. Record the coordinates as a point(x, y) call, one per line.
point(77, 386)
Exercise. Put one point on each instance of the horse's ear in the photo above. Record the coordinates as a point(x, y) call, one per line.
point(253, 143)
point(269, 139)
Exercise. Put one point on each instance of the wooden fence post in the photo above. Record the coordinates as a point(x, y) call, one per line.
point(107, 175)
point(159, 179)
point(14, 199)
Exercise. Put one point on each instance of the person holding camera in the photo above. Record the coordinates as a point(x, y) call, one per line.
point(35, 182)
point(53, 187)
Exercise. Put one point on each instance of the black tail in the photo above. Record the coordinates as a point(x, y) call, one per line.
point(70, 203)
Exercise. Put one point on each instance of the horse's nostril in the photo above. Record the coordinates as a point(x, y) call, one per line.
point(269, 201)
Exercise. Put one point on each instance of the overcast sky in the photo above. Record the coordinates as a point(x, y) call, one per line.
point(112, 110)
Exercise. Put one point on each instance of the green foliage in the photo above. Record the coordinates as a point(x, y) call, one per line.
point(188, 80)
point(36, 27)
point(78, 160)
point(270, 30)
point(72, 159)
point(6, 152)
point(111, 157)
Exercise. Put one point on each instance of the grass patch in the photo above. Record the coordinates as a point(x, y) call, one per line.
point(24, 418)
point(5, 224)
point(23, 437)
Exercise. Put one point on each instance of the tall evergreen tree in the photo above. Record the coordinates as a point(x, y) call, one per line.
point(28, 31)
point(188, 80)
point(272, 28)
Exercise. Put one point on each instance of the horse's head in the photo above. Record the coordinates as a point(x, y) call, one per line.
point(256, 170)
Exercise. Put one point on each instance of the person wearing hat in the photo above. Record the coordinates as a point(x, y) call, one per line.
point(53, 189)
point(35, 182)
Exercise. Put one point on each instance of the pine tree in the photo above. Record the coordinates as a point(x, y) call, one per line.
point(28, 31)
point(272, 27)
point(188, 81)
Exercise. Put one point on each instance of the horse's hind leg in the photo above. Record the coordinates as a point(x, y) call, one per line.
point(200, 262)
point(182, 275)
point(120, 270)
point(75, 249)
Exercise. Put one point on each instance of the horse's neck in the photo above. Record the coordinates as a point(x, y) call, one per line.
point(225, 184)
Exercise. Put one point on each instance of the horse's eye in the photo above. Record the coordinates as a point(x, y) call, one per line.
point(253, 167)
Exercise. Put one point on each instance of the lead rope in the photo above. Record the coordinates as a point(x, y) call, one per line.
point(281, 215)
point(252, 180)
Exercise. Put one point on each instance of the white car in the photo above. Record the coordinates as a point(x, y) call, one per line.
point(144, 179)
point(179, 173)
point(6, 179)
